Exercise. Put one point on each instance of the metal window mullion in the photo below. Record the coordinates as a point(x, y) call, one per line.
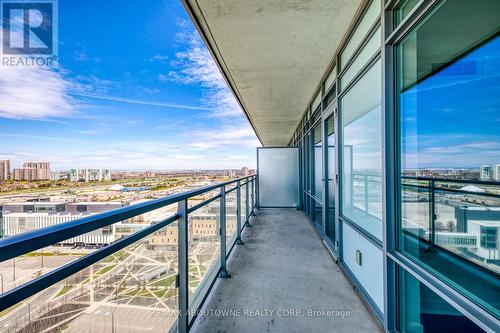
point(389, 160)
point(432, 212)
point(182, 274)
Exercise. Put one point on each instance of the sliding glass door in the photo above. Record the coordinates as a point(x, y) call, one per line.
point(316, 176)
point(329, 122)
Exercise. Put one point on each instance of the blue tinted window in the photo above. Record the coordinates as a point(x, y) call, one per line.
point(449, 126)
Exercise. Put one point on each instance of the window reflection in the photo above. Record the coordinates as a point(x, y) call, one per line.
point(449, 112)
point(422, 310)
point(362, 156)
point(318, 160)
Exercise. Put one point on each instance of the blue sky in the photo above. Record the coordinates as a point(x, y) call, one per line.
point(135, 89)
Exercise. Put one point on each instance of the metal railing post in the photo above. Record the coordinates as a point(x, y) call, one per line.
point(254, 179)
point(432, 212)
point(182, 274)
point(247, 215)
point(257, 198)
point(238, 213)
point(223, 271)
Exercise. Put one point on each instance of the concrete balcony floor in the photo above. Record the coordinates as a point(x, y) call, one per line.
point(283, 266)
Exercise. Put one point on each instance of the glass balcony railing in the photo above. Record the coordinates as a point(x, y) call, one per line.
point(150, 279)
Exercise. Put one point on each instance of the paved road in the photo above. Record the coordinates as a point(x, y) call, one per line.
point(20, 313)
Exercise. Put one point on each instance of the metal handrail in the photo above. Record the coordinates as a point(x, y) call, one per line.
point(431, 184)
point(14, 246)
point(34, 286)
point(17, 245)
point(449, 180)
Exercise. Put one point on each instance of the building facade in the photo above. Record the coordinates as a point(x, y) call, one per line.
point(32, 171)
point(17, 223)
point(486, 172)
point(203, 226)
point(4, 170)
point(89, 175)
point(384, 127)
point(496, 172)
point(27, 216)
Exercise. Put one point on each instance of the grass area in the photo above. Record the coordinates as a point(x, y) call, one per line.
point(4, 312)
point(108, 259)
point(165, 282)
point(104, 270)
point(122, 255)
point(39, 254)
point(62, 328)
point(64, 290)
point(167, 293)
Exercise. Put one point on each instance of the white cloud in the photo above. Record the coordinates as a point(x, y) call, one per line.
point(33, 93)
point(223, 139)
point(159, 57)
point(137, 101)
point(195, 66)
point(419, 154)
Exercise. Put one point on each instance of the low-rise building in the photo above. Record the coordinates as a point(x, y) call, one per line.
point(29, 216)
point(17, 223)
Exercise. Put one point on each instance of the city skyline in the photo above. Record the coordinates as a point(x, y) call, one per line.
point(24, 164)
point(41, 170)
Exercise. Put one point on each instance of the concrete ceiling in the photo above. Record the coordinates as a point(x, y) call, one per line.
point(273, 54)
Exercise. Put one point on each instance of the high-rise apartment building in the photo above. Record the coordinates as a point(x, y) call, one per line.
point(55, 175)
point(43, 170)
point(29, 165)
point(486, 172)
point(490, 172)
point(4, 170)
point(32, 171)
point(496, 172)
point(93, 175)
point(89, 175)
point(28, 174)
point(106, 175)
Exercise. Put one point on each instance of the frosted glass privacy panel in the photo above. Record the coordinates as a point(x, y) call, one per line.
point(278, 170)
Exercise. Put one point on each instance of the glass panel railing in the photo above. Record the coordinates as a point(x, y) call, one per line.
point(132, 269)
point(119, 293)
point(244, 192)
point(203, 251)
point(29, 266)
point(231, 201)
